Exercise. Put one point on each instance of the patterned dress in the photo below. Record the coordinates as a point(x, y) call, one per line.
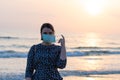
point(43, 62)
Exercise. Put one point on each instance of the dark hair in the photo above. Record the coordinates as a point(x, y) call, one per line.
point(46, 25)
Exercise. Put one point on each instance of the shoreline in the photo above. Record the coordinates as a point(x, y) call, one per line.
point(14, 69)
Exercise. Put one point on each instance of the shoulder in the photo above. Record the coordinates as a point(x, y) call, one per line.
point(33, 46)
point(57, 46)
point(36, 45)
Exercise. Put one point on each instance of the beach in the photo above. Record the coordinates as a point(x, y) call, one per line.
point(86, 60)
point(89, 30)
point(78, 68)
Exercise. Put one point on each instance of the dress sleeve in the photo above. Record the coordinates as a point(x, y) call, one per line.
point(61, 63)
point(29, 66)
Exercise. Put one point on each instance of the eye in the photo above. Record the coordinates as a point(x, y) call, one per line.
point(47, 32)
point(44, 32)
point(50, 32)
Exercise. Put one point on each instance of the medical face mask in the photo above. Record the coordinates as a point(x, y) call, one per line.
point(48, 38)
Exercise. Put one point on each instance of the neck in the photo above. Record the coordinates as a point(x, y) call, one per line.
point(45, 43)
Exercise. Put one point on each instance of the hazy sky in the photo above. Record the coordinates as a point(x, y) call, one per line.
point(67, 16)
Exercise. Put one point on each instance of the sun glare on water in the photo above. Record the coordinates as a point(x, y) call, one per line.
point(92, 39)
point(90, 79)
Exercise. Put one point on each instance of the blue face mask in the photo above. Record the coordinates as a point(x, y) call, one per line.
point(48, 38)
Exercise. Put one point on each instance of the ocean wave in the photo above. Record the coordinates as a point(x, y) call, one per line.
point(113, 43)
point(65, 73)
point(12, 54)
point(102, 52)
point(15, 46)
point(8, 37)
point(11, 37)
point(88, 53)
point(19, 46)
point(96, 48)
point(87, 73)
point(75, 53)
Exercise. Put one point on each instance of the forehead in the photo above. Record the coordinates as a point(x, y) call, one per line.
point(47, 30)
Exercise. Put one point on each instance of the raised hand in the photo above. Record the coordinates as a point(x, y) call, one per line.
point(62, 41)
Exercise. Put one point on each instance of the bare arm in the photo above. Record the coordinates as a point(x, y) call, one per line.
point(63, 48)
point(61, 63)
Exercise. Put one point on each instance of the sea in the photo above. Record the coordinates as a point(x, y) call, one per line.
point(94, 54)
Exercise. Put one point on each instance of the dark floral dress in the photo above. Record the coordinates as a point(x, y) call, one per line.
point(43, 62)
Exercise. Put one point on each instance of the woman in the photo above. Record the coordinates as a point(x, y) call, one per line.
point(45, 58)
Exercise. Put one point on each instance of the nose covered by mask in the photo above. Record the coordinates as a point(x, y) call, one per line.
point(48, 38)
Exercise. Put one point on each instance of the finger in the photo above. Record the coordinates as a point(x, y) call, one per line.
point(63, 37)
point(59, 41)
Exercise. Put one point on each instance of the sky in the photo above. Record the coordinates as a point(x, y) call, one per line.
point(25, 17)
